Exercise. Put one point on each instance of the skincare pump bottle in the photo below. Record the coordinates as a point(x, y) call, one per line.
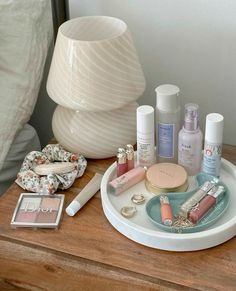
point(213, 144)
point(167, 122)
point(190, 141)
point(145, 136)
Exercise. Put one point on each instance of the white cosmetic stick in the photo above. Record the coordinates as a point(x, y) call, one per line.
point(85, 194)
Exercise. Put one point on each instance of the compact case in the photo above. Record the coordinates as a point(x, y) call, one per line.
point(38, 210)
point(166, 177)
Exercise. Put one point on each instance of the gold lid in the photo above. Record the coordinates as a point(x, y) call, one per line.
point(166, 177)
point(129, 152)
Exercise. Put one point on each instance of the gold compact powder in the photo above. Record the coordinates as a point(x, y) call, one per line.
point(166, 177)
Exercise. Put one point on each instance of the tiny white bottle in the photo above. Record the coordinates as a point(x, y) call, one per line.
point(190, 141)
point(145, 136)
point(213, 144)
point(167, 123)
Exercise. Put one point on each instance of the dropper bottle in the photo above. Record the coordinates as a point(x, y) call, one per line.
point(190, 141)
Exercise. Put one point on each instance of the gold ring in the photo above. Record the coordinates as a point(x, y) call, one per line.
point(128, 211)
point(138, 198)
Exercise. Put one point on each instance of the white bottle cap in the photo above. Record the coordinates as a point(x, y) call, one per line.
point(145, 119)
point(73, 208)
point(167, 97)
point(214, 128)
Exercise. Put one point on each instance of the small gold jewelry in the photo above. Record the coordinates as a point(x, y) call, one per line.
point(138, 198)
point(128, 211)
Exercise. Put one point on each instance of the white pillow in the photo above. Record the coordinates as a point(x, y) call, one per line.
point(25, 35)
point(25, 141)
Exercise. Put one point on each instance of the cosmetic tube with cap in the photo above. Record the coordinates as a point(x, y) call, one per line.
point(85, 194)
point(121, 163)
point(166, 211)
point(201, 209)
point(129, 156)
point(213, 144)
point(145, 136)
point(195, 198)
point(126, 181)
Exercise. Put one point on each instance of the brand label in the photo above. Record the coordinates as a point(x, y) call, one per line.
point(31, 207)
point(165, 140)
point(145, 149)
point(212, 159)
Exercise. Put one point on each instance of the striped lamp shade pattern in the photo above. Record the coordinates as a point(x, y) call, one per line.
point(95, 134)
point(95, 66)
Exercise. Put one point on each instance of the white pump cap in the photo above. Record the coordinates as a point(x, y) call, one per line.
point(167, 97)
point(145, 119)
point(214, 128)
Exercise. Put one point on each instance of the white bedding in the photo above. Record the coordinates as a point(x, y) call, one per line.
point(25, 34)
point(26, 141)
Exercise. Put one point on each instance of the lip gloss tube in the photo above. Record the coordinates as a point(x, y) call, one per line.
point(129, 157)
point(127, 180)
point(195, 198)
point(121, 167)
point(201, 209)
point(166, 211)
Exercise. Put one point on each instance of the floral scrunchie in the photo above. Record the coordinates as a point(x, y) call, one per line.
point(31, 181)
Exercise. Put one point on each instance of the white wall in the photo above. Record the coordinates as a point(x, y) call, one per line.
point(190, 43)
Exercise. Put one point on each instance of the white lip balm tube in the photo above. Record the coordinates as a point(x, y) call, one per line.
point(85, 194)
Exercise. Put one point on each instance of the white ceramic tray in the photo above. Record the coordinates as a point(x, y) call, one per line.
point(141, 230)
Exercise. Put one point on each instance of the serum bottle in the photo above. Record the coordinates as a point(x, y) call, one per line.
point(145, 136)
point(167, 123)
point(213, 144)
point(190, 141)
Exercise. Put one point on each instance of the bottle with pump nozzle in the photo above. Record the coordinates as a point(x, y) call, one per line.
point(190, 141)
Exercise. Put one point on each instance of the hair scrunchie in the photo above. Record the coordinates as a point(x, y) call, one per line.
point(31, 181)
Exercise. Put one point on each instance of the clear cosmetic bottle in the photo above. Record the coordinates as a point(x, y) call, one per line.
point(190, 141)
point(167, 123)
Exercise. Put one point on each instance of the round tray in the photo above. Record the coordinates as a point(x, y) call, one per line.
point(141, 230)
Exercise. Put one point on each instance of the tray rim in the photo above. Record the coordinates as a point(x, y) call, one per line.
point(115, 218)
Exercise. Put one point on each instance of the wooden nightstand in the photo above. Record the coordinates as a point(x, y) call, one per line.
point(87, 253)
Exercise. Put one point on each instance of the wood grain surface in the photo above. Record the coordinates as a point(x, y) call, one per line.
point(87, 253)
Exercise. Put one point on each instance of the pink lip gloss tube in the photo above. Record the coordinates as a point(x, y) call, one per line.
point(166, 211)
point(201, 209)
point(129, 157)
point(127, 180)
point(121, 167)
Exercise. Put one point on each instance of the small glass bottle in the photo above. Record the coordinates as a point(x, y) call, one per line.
point(190, 141)
point(213, 144)
point(129, 156)
point(167, 123)
point(121, 166)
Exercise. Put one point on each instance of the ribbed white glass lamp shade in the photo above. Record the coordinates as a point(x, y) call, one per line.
point(95, 134)
point(95, 66)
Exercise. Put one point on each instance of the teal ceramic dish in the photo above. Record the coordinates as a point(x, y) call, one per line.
point(176, 199)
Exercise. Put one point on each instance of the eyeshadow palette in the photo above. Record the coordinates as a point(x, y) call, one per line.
point(38, 210)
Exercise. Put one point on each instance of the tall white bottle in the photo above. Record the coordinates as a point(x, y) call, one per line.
point(167, 122)
point(213, 144)
point(145, 136)
point(190, 141)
